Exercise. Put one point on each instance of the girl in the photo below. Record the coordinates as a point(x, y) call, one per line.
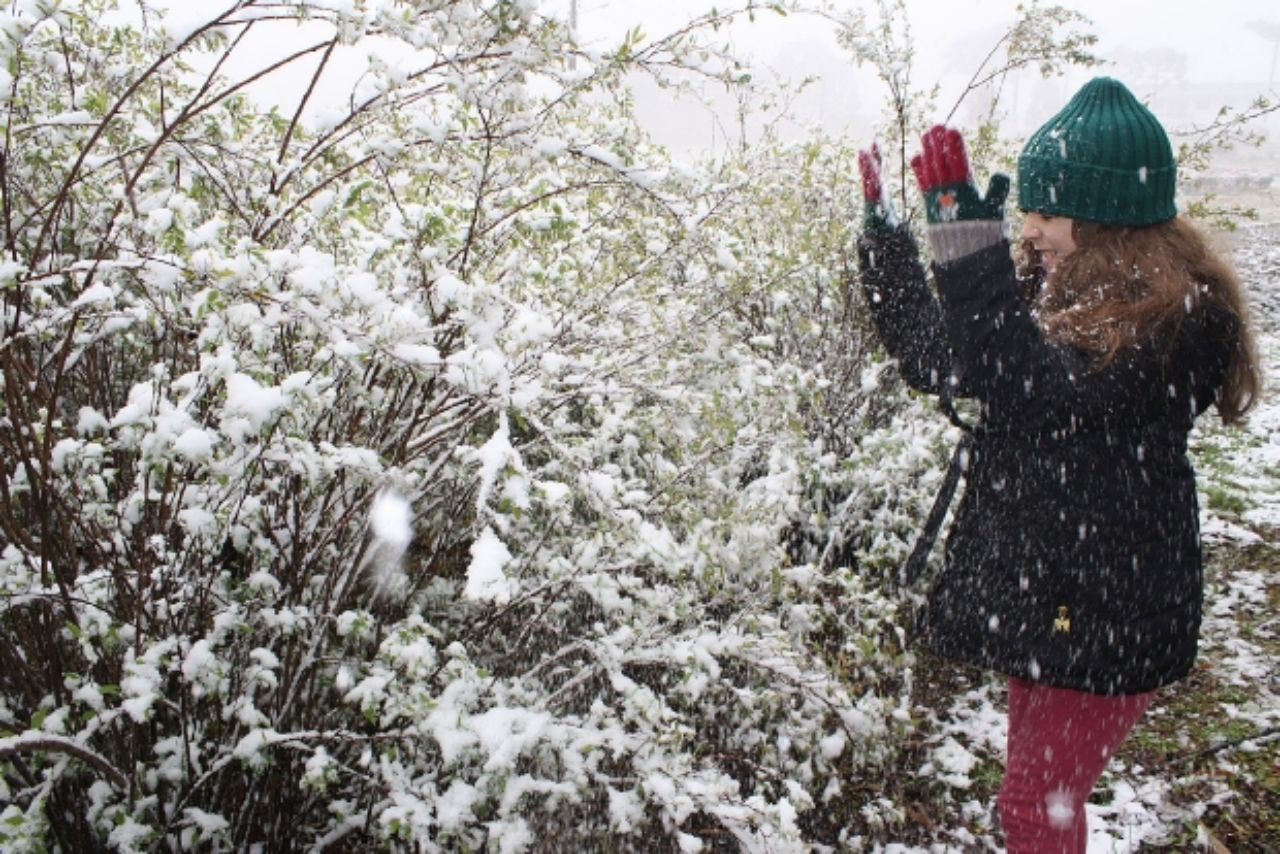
point(1073, 563)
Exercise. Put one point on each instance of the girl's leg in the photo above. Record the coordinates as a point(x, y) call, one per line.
point(1059, 742)
point(1019, 697)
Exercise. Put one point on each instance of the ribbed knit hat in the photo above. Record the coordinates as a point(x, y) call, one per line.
point(1103, 158)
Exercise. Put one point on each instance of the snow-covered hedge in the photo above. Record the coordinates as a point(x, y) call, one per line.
point(452, 471)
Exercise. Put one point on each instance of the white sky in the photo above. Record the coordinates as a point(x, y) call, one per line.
point(1227, 59)
point(1219, 45)
point(1224, 57)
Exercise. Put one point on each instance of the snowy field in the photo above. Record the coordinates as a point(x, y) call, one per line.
point(1200, 771)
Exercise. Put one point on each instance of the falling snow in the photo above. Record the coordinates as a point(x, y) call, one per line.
point(504, 485)
point(1136, 806)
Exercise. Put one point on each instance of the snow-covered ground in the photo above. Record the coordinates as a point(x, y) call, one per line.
point(1199, 732)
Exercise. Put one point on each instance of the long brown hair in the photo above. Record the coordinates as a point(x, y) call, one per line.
point(1124, 285)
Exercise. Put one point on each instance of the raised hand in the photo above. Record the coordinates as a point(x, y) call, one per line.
point(961, 220)
point(879, 216)
point(946, 180)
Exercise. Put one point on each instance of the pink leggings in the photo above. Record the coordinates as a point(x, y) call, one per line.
point(1059, 742)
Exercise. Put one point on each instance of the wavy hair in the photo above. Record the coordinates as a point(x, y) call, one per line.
point(1124, 285)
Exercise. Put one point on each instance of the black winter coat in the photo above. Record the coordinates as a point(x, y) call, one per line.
point(1074, 555)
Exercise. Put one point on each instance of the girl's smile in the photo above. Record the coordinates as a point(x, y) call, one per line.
point(1052, 236)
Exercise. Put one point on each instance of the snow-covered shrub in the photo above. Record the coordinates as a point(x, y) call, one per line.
point(451, 470)
point(871, 450)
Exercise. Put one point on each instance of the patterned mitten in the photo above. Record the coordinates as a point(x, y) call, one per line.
point(960, 221)
point(878, 216)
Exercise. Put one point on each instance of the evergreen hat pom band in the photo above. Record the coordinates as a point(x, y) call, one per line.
point(1103, 158)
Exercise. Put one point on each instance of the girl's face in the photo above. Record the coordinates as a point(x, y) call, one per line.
point(1052, 236)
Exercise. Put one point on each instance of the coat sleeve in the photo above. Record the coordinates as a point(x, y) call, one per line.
point(906, 314)
point(1025, 381)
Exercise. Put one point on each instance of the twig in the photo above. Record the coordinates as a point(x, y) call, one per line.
point(36, 742)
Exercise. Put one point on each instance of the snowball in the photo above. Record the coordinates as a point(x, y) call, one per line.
point(1061, 812)
point(391, 519)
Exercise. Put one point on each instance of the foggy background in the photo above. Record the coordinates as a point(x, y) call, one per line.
point(1185, 59)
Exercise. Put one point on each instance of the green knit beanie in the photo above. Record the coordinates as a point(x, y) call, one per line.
point(1103, 158)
